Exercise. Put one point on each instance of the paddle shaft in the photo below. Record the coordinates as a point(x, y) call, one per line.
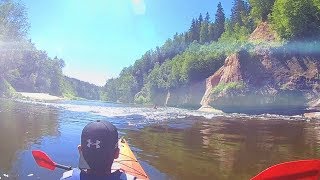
point(68, 168)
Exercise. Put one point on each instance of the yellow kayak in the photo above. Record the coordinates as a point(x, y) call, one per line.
point(127, 162)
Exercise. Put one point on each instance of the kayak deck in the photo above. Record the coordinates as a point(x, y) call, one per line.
point(127, 162)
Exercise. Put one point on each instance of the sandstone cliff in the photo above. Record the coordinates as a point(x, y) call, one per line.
point(188, 96)
point(265, 80)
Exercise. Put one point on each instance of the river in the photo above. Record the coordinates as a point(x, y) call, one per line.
point(170, 143)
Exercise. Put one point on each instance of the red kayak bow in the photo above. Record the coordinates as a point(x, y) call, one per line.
point(302, 170)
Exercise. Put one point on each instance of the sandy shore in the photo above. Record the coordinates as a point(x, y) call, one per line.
point(40, 96)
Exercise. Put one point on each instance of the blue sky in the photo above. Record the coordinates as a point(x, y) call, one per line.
point(97, 38)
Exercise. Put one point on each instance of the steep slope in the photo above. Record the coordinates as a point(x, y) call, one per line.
point(188, 96)
point(6, 90)
point(263, 32)
point(230, 72)
point(267, 80)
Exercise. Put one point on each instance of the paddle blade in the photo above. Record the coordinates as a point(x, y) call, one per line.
point(43, 160)
point(302, 170)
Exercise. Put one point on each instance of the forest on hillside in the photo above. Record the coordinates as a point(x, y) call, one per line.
point(192, 56)
point(187, 58)
point(23, 67)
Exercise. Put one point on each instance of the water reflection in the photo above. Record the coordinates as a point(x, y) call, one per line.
point(20, 126)
point(225, 148)
point(186, 148)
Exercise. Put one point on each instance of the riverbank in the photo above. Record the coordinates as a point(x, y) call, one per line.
point(310, 113)
point(210, 109)
point(40, 96)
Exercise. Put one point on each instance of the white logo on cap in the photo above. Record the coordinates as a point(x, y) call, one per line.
point(96, 143)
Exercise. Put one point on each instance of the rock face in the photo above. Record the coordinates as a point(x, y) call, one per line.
point(230, 72)
point(263, 33)
point(189, 96)
point(267, 80)
point(186, 97)
point(268, 83)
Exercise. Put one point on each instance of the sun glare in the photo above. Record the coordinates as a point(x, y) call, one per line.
point(139, 7)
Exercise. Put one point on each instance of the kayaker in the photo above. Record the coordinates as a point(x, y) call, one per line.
point(98, 149)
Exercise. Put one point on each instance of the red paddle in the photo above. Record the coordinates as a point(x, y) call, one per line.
point(43, 160)
point(302, 170)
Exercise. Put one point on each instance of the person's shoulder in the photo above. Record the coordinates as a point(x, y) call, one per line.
point(124, 176)
point(73, 174)
point(118, 175)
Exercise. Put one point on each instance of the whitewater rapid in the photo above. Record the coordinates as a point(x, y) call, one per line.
point(148, 114)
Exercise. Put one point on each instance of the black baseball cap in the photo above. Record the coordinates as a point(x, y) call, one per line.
point(99, 140)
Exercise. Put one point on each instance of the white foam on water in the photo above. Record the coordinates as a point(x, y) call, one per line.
point(163, 113)
point(159, 114)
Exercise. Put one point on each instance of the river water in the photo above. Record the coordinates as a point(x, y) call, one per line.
point(170, 143)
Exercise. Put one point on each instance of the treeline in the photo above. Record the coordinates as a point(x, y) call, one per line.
point(194, 55)
point(75, 88)
point(25, 68)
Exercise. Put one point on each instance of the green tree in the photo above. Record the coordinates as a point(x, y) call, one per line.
point(198, 24)
point(187, 38)
point(74, 88)
point(193, 31)
point(261, 9)
point(211, 32)
point(295, 19)
point(13, 29)
point(56, 76)
point(127, 88)
point(240, 15)
point(219, 22)
point(207, 18)
point(204, 31)
point(110, 89)
point(237, 10)
point(317, 3)
point(13, 20)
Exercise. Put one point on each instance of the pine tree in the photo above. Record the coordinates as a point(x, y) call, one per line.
point(200, 19)
point(211, 32)
point(193, 31)
point(207, 18)
point(186, 38)
point(261, 9)
point(236, 12)
point(204, 31)
point(246, 18)
point(198, 27)
point(219, 22)
point(240, 15)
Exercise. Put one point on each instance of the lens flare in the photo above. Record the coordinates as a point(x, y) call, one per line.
point(139, 7)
